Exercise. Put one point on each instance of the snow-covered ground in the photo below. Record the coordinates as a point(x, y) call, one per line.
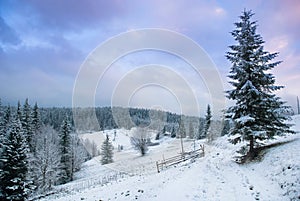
point(214, 177)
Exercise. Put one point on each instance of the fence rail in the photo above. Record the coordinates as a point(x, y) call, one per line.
point(77, 186)
point(179, 158)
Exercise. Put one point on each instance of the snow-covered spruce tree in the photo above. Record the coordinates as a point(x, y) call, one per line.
point(200, 134)
point(13, 174)
point(7, 116)
point(208, 117)
point(106, 151)
point(19, 110)
point(26, 120)
point(4, 125)
point(65, 152)
point(36, 119)
point(258, 112)
point(226, 127)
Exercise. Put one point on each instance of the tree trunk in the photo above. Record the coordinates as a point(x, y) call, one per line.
point(142, 150)
point(251, 153)
point(251, 149)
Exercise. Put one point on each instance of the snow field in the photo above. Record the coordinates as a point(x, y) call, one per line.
point(215, 177)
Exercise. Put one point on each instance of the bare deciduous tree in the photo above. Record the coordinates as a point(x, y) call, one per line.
point(140, 139)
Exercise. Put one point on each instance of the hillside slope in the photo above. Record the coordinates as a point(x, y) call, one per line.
point(214, 177)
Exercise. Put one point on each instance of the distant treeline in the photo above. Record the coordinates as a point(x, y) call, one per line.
point(108, 118)
point(116, 117)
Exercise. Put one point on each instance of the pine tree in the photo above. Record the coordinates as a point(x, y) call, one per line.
point(226, 127)
point(107, 151)
point(35, 127)
point(201, 129)
point(257, 113)
point(19, 110)
point(5, 121)
point(25, 117)
point(14, 185)
point(26, 120)
point(207, 120)
point(36, 119)
point(7, 116)
point(65, 151)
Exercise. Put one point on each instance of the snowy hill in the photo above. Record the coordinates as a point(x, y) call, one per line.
point(213, 177)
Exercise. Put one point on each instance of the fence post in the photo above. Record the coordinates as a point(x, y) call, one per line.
point(157, 166)
point(202, 149)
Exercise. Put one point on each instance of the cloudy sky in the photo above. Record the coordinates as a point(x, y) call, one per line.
point(43, 45)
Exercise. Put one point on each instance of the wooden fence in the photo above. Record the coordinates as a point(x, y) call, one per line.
point(77, 186)
point(179, 158)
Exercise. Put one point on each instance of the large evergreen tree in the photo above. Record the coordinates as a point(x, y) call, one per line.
point(26, 120)
point(14, 185)
point(107, 151)
point(65, 151)
point(257, 112)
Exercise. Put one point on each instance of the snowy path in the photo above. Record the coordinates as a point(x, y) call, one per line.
point(218, 179)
